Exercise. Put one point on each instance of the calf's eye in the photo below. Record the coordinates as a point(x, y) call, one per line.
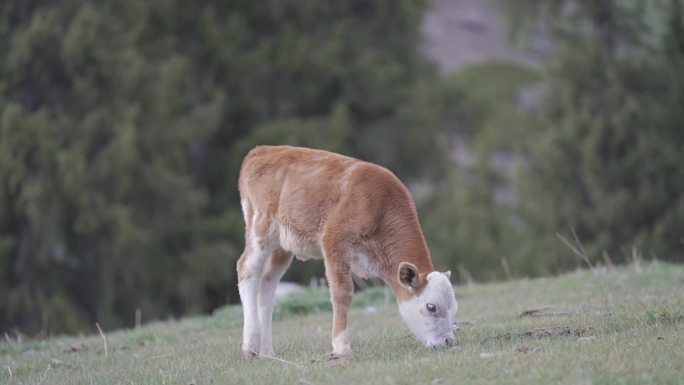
point(431, 307)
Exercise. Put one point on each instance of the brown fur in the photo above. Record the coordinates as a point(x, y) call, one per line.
point(338, 205)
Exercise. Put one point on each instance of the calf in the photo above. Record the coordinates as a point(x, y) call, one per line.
point(356, 216)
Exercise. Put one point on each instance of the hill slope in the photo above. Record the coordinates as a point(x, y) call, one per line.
point(624, 325)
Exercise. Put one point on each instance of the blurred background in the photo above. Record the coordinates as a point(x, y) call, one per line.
point(519, 126)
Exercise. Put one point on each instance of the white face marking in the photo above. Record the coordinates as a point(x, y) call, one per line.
point(431, 328)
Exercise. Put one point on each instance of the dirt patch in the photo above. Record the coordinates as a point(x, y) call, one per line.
point(552, 331)
point(543, 311)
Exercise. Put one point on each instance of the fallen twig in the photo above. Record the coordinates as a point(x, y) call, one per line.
point(280, 359)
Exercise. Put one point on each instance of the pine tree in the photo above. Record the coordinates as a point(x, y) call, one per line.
point(604, 160)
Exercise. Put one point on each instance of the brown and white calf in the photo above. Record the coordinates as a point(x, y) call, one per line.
point(356, 216)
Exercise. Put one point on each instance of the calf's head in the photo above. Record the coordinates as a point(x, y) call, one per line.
point(429, 310)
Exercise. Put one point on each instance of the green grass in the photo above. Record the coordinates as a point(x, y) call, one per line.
point(619, 326)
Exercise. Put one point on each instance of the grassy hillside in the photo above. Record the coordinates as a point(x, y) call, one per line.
point(625, 325)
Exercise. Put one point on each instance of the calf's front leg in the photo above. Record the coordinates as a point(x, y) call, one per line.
point(338, 273)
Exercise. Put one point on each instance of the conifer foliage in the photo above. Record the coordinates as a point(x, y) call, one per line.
point(122, 125)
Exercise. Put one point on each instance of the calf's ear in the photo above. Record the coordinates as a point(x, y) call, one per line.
point(448, 274)
point(408, 275)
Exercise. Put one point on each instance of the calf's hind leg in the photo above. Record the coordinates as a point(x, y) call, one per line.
point(275, 267)
point(250, 267)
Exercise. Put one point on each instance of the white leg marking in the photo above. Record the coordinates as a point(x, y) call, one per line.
point(269, 284)
point(249, 290)
point(250, 332)
point(341, 345)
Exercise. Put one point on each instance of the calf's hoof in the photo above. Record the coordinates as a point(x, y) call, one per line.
point(249, 354)
point(334, 359)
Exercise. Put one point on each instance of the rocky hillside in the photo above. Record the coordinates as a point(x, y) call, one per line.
point(462, 32)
